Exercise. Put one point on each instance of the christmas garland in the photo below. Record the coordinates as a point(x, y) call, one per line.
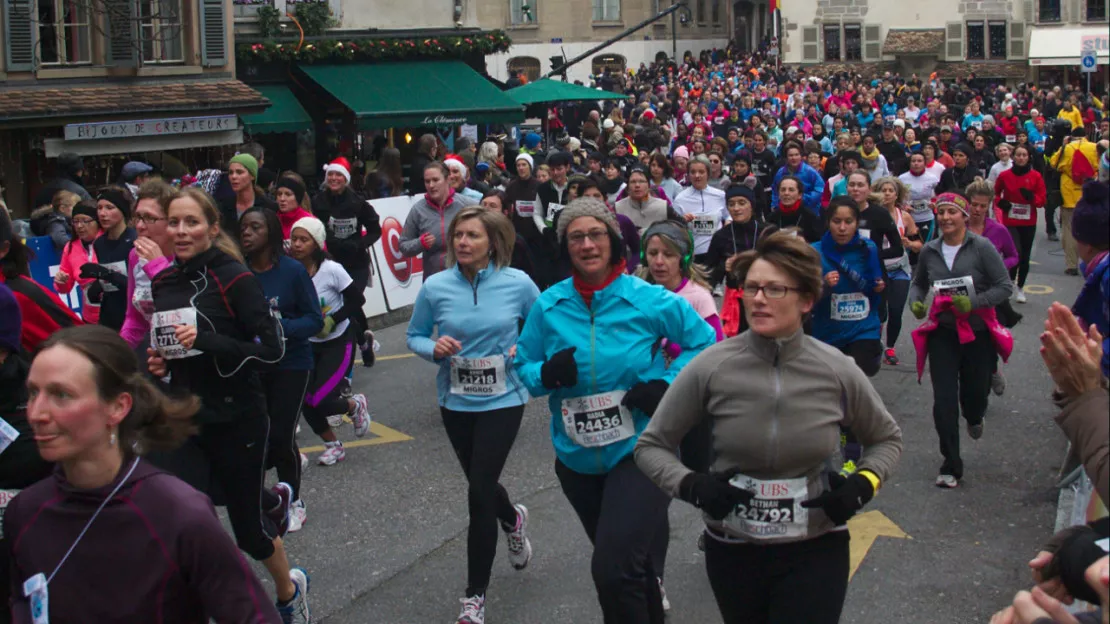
point(370, 49)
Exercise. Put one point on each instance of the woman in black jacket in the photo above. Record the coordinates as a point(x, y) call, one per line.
point(211, 331)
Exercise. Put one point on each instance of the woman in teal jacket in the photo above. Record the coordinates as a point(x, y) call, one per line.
point(591, 342)
point(476, 306)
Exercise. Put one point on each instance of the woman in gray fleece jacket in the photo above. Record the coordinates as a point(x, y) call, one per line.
point(775, 504)
point(425, 231)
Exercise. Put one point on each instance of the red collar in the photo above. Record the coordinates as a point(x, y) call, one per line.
point(791, 209)
point(587, 290)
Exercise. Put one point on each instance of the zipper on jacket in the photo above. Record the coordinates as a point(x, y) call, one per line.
point(474, 286)
point(774, 437)
point(599, 453)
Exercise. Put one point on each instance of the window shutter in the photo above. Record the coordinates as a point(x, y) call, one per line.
point(20, 34)
point(811, 48)
point(954, 41)
point(1030, 11)
point(1017, 40)
point(123, 33)
point(213, 33)
point(872, 46)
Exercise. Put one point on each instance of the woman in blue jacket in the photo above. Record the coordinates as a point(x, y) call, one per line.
point(847, 315)
point(292, 298)
point(590, 342)
point(476, 306)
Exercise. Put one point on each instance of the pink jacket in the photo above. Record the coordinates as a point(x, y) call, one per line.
point(1003, 339)
point(136, 322)
point(74, 255)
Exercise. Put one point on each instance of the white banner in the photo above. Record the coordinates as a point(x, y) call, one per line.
point(401, 277)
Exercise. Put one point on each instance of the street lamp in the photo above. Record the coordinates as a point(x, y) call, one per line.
point(686, 17)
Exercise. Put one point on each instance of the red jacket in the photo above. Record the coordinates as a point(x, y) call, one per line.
point(1008, 126)
point(43, 312)
point(1008, 187)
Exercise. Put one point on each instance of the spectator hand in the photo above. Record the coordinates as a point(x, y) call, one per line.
point(1030, 607)
point(962, 303)
point(1046, 577)
point(560, 370)
point(1071, 356)
point(713, 495)
point(845, 497)
point(918, 309)
point(645, 396)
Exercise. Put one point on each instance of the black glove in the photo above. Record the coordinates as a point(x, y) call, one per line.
point(713, 495)
point(92, 270)
point(345, 247)
point(95, 293)
point(551, 237)
point(844, 498)
point(645, 396)
point(1027, 194)
point(560, 370)
point(1004, 205)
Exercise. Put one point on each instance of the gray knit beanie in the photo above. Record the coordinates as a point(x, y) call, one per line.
point(588, 207)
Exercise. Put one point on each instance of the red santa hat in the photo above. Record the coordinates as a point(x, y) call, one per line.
point(341, 166)
point(455, 161)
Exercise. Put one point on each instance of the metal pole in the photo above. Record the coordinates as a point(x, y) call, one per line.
point(674, 37)
point(778, 40)
point(605, 44)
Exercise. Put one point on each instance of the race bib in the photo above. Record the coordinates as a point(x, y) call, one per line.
point(598, 419)
point(525, 208)
point(478, 376)
point(1010, 138)
point(141, 297)
point(850, 306)
point(343, 228)
point(703, 225)
point(775, 510)
point(8, 434)
point(865, 233)
point(978, 125)
point(955, 286)
point(553, 210)
point(119, 267)
point(922, 207)
point(6, 497)
point(162, 335)
point(1021, 211)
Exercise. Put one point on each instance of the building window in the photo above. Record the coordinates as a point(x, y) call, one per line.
point(527, 65)
point(715, 8)
point(986, 40)
point(1049, 11)
point(1096, 10)
point(607, 10)
point(832, 42)
point(160, 31)
point(976, 48)
point(996, 34)
point(611, 63)
point(853, 43)
point(64, 34)
point(701, 11)
point(522, 11)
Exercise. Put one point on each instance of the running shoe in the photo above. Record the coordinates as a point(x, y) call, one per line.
point(975, 431)
point(1020, 296)
point(296, 610)
point(335, 421)
point(998, 383)
point(663, 594)
point(891, 357)
point(473, 610)
point(368, 347)
point(304, 462)
point(947, 481)
point(361, 415)
point(520, 549)
point(280, 514)
point(1052, 236)
point(297, 516)
point(333, 454)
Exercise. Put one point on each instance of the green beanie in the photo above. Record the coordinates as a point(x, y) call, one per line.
point(248, 162)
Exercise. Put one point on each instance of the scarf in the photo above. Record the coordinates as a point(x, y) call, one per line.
point(870, 162)
point(587, 290)
point(790, 209)
point(1020, 170)
point(287, 220)
point(918, 175)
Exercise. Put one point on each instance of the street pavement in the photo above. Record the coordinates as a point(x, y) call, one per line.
point(385, 539)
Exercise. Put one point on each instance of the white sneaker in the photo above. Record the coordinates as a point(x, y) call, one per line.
point(520, 549)
point(335, 421)
point(998, 383)
point(360, 417)
point(947, 481)
point(663, 593)
point(296, 612)
point(333, 454)
point(473, 610)
point(297, 516)
point(1020, 297)
point(304, 462)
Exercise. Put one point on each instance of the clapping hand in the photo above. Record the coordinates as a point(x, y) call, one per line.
point(1071, 355)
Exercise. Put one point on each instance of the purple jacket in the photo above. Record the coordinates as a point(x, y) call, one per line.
point(1000, 237)
point(156, 553)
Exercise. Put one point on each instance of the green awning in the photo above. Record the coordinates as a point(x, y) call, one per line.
point(284, 115)
point(548, 90)
point(424, 93)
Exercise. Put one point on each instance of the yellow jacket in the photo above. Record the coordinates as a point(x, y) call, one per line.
point(1061, 161)
point(1075, 117)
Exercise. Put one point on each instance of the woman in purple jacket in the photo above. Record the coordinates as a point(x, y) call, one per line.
point(109, 537)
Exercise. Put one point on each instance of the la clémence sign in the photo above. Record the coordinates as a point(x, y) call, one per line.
point(150, 127)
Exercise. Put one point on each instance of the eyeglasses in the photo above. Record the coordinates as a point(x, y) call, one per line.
point(596, 237)
point(82, 222)
point(771, 291)
point(149, 220)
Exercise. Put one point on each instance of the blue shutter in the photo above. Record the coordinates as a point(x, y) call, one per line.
point(213, 33)
point(123, 32)
point(20, 34)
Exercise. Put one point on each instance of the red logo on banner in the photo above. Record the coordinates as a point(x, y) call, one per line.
point(401, 267)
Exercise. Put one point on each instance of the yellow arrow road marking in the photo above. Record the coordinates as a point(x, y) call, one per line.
point(382, 435)
point(865, 529)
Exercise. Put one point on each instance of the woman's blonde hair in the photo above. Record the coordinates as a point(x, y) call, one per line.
point(223, 241)
point(789, 253)
point(64, 199)
point(903, 190)
point(499, 230)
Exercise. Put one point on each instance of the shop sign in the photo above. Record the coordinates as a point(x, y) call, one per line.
point(443, 120)
point(149, 127)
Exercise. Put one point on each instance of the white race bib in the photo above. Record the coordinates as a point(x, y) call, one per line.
point(162, 335)
point(775, 511)
point(553, 210)
point(8, 434)
point(922, 207)
point(598, 419)
point(1010, 138)
point(850, 306)
point(478, 376)
point(141, 297)
point(865, 233)
point(343, 228)
point(6, 497)
point(1021, 211)
point(703, 225)
point(978, 125)
point(525, 208)
point(955, 286)
point(119, 267)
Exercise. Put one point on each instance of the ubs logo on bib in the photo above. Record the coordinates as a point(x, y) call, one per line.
point(401, 267)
